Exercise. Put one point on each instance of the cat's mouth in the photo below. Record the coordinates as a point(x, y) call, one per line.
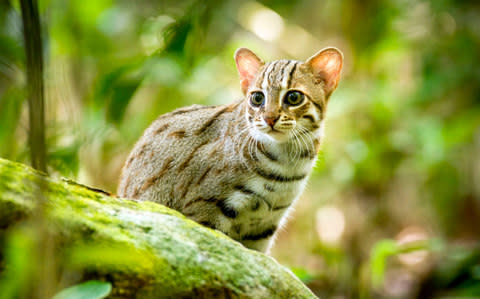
point(269, 130)
point(276, 134)
point(274, 131)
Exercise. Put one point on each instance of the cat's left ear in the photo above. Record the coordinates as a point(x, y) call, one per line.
point(248, 65)
point(326, 66)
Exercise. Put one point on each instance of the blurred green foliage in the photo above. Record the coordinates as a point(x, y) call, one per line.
point(400, 160)
point(18, 248)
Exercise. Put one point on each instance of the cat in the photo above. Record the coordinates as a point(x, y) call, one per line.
point(239, 168)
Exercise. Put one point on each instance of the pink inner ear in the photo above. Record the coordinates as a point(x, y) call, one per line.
point(248, 68)
point(248, 65)
point(327, 66)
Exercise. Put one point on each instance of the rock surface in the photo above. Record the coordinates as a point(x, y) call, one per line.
point(144, 249)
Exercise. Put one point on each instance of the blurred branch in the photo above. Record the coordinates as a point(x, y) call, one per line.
point(35, 86)
point(45, 278)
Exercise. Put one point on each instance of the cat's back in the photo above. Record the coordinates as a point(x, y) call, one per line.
point(171, 144)
point(185, 122)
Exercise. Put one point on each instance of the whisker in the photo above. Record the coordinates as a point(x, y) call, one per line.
point(296, 148)
point(302, 146)
point(309, 140)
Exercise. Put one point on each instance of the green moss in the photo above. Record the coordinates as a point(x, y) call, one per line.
point(143, 248)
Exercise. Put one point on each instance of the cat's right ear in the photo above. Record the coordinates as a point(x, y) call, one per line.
point(248, 65)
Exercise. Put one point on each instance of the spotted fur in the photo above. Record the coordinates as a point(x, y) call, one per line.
point(239, 167)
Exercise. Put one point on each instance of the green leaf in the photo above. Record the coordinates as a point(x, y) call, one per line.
point(303, 275)
point(380, 252)
point(121, 95)
point(92, 289)
point(64, 159)
point(386, 248)
point(115, 90)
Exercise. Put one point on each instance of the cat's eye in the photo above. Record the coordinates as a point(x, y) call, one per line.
point(256, 99)
point(294, 98)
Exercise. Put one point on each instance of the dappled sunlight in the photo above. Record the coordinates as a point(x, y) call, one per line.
point(265, 23)
point(330, 224)
point(410, 235)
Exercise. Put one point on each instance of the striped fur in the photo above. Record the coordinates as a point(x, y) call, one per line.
point(225, 166)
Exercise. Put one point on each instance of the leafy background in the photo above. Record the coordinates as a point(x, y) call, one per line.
point(393, 207)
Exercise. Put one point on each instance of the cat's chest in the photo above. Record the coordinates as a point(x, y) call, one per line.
point(275, 177)
point(259, 209)
point(262, 198)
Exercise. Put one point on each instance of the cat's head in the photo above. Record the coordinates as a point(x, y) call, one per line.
point(287, 97)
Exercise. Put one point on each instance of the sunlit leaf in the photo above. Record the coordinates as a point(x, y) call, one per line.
point(303, 275)
point(380, 252)
point(88, 290)
point(109, 256)
point(386, 248)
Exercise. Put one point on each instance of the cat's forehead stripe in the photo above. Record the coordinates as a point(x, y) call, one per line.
point(282, 73)
point(265, 75)
point(289, 69)
point(290, 74)
point(273, 73)
point(260, 77)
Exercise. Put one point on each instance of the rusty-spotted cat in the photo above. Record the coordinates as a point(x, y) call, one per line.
point(239, 168)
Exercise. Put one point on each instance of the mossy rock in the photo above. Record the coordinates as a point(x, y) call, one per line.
point(144, 249)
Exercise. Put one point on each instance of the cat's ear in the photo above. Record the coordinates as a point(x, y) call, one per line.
point(248, 65)
point(326, 66)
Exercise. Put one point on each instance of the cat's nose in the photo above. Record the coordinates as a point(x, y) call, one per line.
point(271, 120)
